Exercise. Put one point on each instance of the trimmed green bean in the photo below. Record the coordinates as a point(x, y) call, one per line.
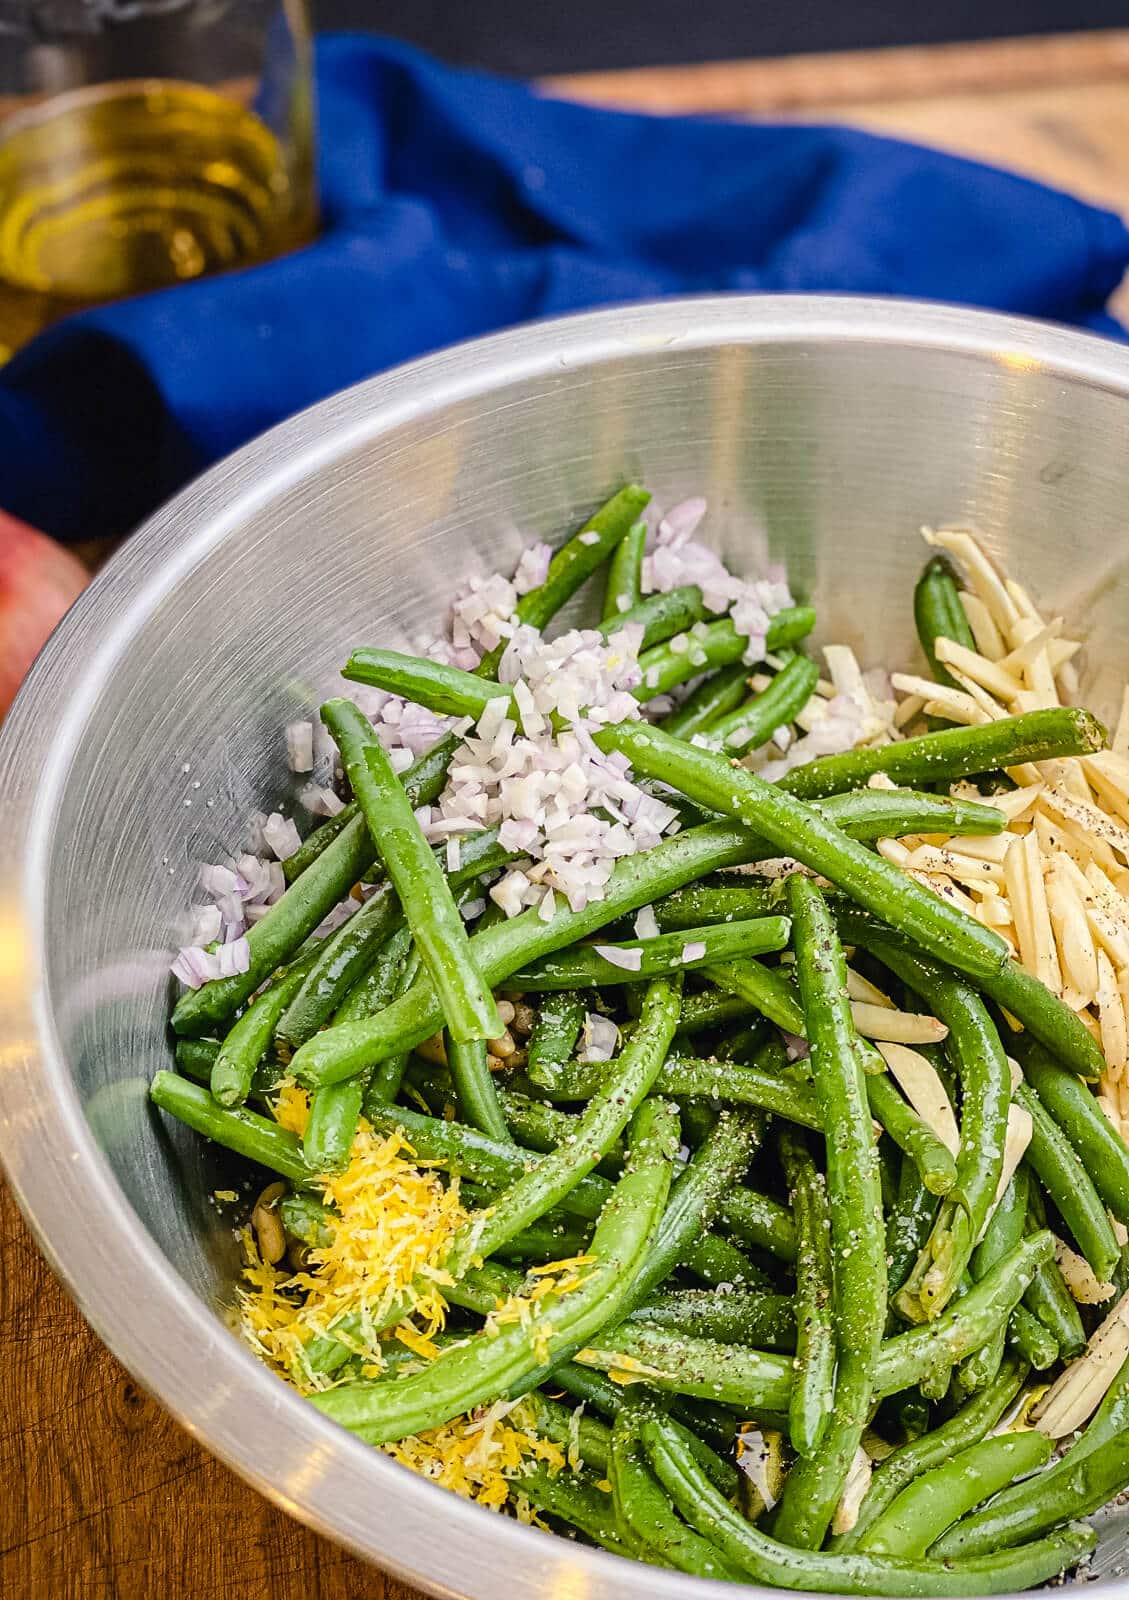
point(768, 1562)
point(577, 559)
point(661, 615)
point(800, 830)
point(307, 1219)
point(759, 1220)
point(635, 881)
point(716, 644)
point(813, 1390)
point(966, 1427)
point(755, 722)
point(1014, 1510)
point(911, 1134)
point(194, 1058)
point(512, 1357)
point(951, 753)
point(560, 1018)
point(814, 1486)
point(1031, 1340)
point(722, 691)
point(644, 1513)
point(429, 907)
point(475, 1094)
point(1006, 1227)
point(755, 1317)
point(276, 936)
point(586, 966)
point(347, 953)
point(908, 1224)
point(938, 613)
point(245, 1132)
point(575, 1499)
point(332, 1124)
point(542, 1127)
point(625, 568)
point(249, 1038)
point(1067, 1182)
point(940, 1497)
point(788, 1097)
point(562, 1425)
point(377, 985)
point(1071, 1105)
point(1048, 1298)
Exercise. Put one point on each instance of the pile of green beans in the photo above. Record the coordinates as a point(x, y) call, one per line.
point(762, 1234)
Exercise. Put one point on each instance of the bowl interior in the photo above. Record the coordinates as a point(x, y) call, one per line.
point(824, 443)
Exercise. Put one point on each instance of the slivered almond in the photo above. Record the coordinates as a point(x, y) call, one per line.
point(966, 869)
point(1028, 611)
point(860, 988)
point(988, 674)
point(1019, 898)
point(921, 1084)
point(908, 710)
point(1076, 1395)
point(982, 846)
point(985, 579)
point(1088, 817)
point(1046, 957)
point(1034, 639)
point(896, 1027)
point(1111, 1015)
point(939, 700)
point(1016, 1140)
point(1077, 956)
point(989, 640)
point(1080, 1277)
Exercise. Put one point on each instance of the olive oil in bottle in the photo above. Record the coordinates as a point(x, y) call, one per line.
point(122, 187)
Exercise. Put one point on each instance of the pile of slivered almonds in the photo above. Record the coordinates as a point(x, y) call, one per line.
point(695, 1086)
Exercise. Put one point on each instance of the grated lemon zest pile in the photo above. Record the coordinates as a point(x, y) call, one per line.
point(395, 1223)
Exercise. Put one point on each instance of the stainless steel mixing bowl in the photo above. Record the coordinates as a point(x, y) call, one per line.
point(822, 430)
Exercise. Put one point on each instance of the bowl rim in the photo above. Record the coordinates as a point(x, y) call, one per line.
point(100, 1249)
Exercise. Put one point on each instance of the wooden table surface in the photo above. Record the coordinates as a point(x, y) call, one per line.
point(104, 1498)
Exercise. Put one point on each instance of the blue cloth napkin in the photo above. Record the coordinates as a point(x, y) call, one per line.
point(456, 203)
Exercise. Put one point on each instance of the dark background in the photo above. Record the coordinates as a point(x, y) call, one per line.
point(526, 37)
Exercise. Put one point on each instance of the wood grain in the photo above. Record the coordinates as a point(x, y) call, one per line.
point(104, 1498)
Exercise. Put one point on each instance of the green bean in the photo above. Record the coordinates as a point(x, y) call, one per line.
point(800, 830)
point(194, 1058)
point(429, 907)
point(814, 1487)
point(696, 1195)
point(710, 1009)
point(550, 1238)
point(376, 987)
point(1014, 1510)
point(1048, 1298)
point(755, 722)
point(908, 1224)
point(571, 1429)
point(593, 1389)
point(543, 1127)
point(1077, 1487)
point(1067, 1182)
point(635, 881)
point(871, 814)
point(475, 1094)
point(938, 613)
point(345, 955)
point(560, 1018)
point(1042, 1013)
point(307, 1219)
point(586, 966)
point(577, 559)
point(743, 1044)
point(249, 1037)
point(245, 1132)
point(387, 1076)
point(575, 1499)
point(722, 691)
point(937, 1499)
point(813, 1390)
point(759, 1220)
point(448, 691)
point(332, 1124)
point(510, 1358)
point(1006, 1227)
point(1031, 1340)
point(644, 1513)
point(738, 1316)
point(768, 1562)
point(954, 752)
point(315, 843)
point(716, 1261)
point(911, 1134)
point(966, 1427)
point(719, 1080)
point(625, 568)
point(1071, 1105)
point(769, 989)
point(716, 644)
point(276, 936)
point(660, 615)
